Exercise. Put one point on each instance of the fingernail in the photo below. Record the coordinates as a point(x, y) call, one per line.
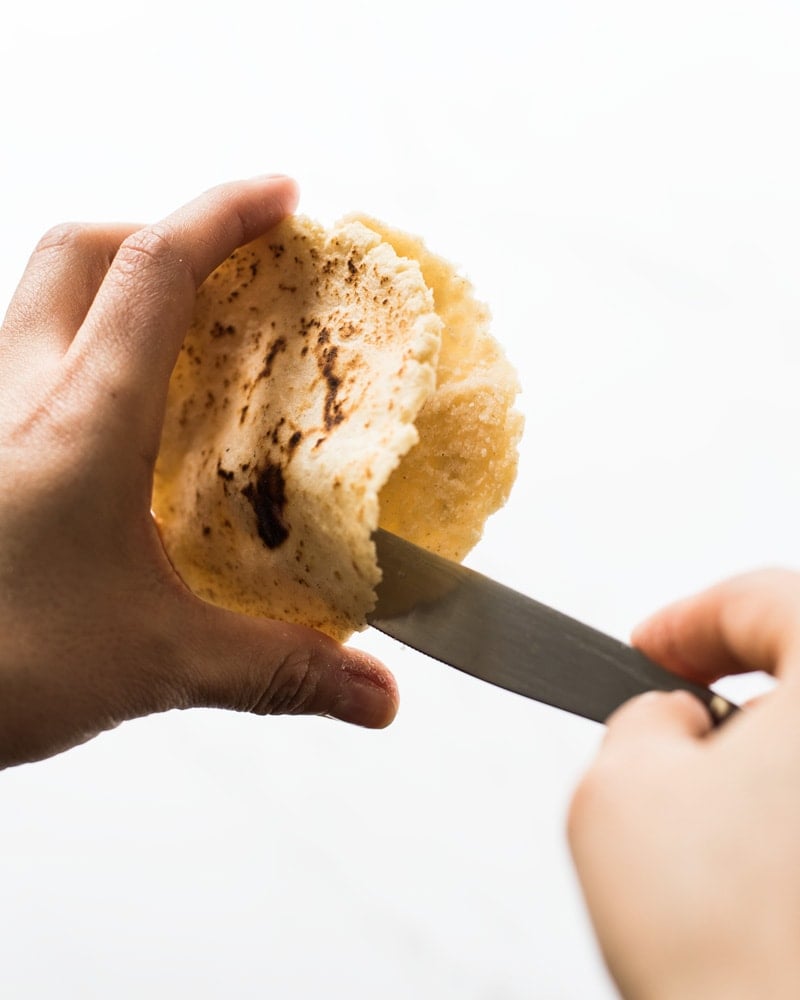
point(365, 704)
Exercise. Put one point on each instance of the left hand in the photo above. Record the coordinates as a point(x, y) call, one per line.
point(95, 625)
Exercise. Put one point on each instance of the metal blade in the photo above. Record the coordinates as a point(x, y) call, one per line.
point(465, 619)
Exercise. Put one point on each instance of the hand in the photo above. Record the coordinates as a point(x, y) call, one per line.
point(96, 626)
point(687, 839)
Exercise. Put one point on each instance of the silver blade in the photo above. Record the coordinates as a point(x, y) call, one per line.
point(465, 619)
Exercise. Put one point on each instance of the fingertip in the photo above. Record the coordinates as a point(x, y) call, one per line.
point(363, 704)
point(689, 712)
point(292, 194)
point(632, 709)
point(675, 713)
point(640, 636)
point(368, 696)
point(656, 636)
point(283, 186)
point(682, 638)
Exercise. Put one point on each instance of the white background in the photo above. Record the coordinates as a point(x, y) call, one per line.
point(620, 181)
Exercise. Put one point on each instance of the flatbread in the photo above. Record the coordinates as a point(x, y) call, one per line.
point(465, 463)
point(309, 372)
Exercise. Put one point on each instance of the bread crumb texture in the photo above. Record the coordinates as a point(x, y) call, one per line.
point(331, 380)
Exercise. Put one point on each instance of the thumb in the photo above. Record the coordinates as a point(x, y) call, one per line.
point(645, 730)
point(657, 716)
point(641, 736)
point(275, 668)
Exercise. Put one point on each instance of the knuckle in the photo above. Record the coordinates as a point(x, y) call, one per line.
point(292, 689)
point(66, 237)
point(144, 247)
point(230, 213)
point(151, 247)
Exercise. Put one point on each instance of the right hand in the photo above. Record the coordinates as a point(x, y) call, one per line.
point(687, 838)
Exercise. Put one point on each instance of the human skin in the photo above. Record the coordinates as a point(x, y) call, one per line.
point(96, 625)
point(686, 838)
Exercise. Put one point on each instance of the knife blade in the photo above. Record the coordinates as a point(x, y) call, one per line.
point(494, 633)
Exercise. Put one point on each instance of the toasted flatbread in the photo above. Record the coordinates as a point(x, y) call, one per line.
point(465, 463)
point(304, 409)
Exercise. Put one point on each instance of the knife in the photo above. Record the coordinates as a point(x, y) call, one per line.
point(465, 619)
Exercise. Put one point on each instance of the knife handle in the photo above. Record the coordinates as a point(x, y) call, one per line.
point(719, 708)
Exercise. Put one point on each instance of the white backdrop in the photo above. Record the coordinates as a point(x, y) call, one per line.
point(620, 181)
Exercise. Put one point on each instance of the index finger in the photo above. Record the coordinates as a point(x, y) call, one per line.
point(134, 328)
point(748, 623)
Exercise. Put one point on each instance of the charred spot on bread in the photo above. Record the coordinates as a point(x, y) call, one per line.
point(267, 496)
